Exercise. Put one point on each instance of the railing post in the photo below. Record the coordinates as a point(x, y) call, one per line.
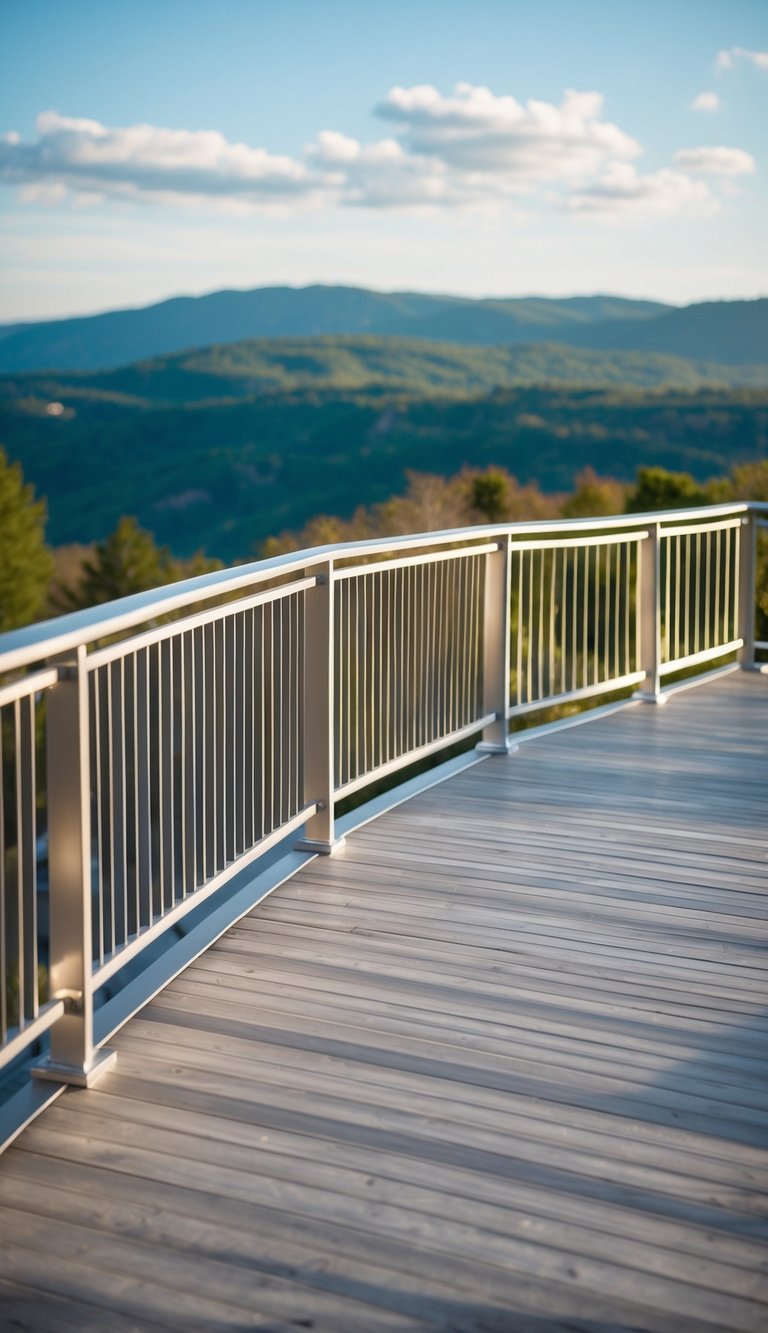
point(747, 592)
point(649, 617)
point(496, 623)
point(72, 1057)
point(319, 719)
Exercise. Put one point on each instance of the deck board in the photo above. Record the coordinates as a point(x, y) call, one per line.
point(499, 1066)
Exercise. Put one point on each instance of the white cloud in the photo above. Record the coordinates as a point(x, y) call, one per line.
point(706, 102)
point(476, 132)
point(468, 150)
point(140, 160)
point(624, 192)
point(738, 54)
point(382, 174)
point(716, 161)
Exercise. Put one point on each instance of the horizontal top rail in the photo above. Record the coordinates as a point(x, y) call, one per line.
point(696, 529)
point(602, 539)
point(196, 621)
point(54, 638)
point(21, 689)
point(401, 562)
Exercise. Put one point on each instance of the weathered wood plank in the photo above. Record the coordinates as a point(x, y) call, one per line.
point(510, 1041)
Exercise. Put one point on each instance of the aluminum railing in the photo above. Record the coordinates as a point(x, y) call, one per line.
point(153, 748)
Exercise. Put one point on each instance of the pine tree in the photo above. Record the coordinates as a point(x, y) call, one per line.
point(25, 562)
point(127, 561)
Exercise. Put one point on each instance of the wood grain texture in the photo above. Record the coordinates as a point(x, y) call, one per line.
point(499, 1066)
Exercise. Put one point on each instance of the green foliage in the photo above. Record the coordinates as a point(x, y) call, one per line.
point(428, 504)
point(129, 561)
point(658, 489)
point(25, 562)
point(594, 496)
point(261, 367)
point(489, 494)
point(226, 476)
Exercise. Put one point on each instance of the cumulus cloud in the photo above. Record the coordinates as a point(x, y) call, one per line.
point(736, 55)
point(467, 149)
point(624, 192)
point(715, 161)
point(85, 155)
point(381, 174)
point(475, 131)
point(706, 102)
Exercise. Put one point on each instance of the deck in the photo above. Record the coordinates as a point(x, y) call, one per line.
point(496, 1066)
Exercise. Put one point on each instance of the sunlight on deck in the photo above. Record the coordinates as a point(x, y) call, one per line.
point(496, 1065)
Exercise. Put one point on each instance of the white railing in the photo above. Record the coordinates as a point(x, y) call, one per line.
point(153, 748)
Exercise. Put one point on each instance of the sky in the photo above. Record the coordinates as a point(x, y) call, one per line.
point(492, 148)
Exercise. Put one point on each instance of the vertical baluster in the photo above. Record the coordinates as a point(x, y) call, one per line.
point(622, 550)
point(131, 748)
point(727, 631)
point(143, 794)
point(345, 586)
point(631, 558)
point(94, 736)
point(319, 714)
point(167, 819)
point(434, 655)
point(24, 738)
point(112, 795)
point(239, 721)
point(563, 618)
point(198, 707)
point(678, 578)
point(3, 903)
point(697, 594)
point(189, 770)
point(455, 640)
point(339, 758)
point(597, 626)
point(287, 708)
point(718, 575)
point(551, 645)
point(293, 609)
point(708, 590)
point(585, 622)
point(208, 771)
point(386, 593)
point(263, 733)
point(736, 579)
point(467, 641)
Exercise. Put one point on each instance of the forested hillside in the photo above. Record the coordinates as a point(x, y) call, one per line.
point(221, 477)
point(259, 366)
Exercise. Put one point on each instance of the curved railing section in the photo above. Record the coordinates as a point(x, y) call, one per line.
point(152, 748)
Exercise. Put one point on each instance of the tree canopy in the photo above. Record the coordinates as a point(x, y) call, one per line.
point(25, 562)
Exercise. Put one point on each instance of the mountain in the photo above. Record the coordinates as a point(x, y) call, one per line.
point(732, 332)
point(121, 337)
point(260, 366)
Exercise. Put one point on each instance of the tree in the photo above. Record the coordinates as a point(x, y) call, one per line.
point(130, 561)
point(594, 496)
point(126, 562)
point(656, 488)
point(25, 562)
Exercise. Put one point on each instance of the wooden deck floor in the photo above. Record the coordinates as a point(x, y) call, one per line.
point(497, 1066)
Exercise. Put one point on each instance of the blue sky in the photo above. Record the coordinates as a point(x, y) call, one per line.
point(152, 149)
